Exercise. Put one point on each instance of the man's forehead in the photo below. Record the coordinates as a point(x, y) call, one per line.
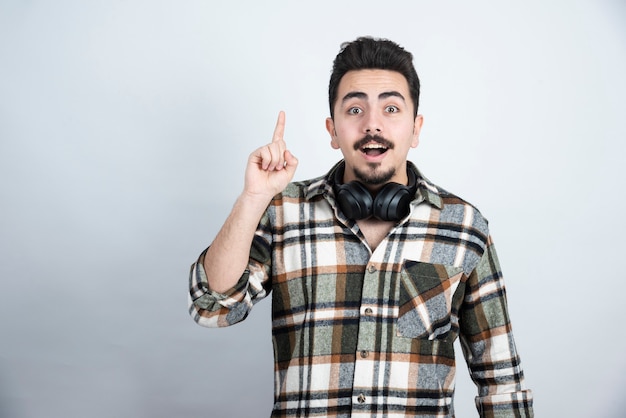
point(372, 82)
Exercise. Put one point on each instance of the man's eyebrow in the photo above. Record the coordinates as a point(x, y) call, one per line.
point(383, 95)
point(353, 95)
point(392, 93)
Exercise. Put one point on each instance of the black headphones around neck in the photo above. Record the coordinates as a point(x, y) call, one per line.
point(392, 202)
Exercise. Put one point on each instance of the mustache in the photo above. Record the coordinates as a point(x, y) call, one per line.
point(373, 138)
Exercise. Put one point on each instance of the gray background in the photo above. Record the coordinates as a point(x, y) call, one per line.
point(125, 127)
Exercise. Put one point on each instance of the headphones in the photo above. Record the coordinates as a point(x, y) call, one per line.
point(392, 202)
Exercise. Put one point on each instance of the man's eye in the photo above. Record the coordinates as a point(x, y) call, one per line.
point(392, 109)
point(354, 111)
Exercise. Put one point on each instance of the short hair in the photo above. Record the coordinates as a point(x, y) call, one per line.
point(373, 53)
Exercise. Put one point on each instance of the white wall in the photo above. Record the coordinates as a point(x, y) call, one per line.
point(124, 129)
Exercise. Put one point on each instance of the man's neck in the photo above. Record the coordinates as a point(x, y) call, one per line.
point(374, 230)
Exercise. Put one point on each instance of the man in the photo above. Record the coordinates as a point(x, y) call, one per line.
point(375, 271)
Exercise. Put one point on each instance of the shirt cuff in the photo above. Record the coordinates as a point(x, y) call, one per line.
point(211, 300)
point(506, 405)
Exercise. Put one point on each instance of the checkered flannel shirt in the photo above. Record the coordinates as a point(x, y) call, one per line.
point(362, 333)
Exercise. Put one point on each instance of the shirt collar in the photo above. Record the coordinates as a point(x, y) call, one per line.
point(426, 190)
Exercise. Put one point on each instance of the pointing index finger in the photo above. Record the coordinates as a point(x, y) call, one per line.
point(279, 131)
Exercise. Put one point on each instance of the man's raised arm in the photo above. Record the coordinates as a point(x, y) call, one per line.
point(269, 170)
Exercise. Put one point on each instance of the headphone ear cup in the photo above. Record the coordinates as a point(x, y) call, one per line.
point(354, 200)
point(392, 202)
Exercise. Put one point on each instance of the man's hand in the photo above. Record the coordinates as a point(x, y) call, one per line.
point(271, 167)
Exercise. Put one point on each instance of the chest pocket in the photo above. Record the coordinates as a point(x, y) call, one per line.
point(426, 299)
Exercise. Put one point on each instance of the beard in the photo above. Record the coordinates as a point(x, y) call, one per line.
point(374, 177)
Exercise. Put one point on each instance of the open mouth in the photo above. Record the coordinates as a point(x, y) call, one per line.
point(374, 149)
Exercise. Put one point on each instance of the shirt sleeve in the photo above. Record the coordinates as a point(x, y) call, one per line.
point(212, 309)
point(488, 344)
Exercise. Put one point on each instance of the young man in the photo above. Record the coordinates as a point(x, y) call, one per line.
point(375, 271)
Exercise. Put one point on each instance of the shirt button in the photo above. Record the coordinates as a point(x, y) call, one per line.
point(364, 354)
point(371, 268)
point(361, 398)
point(368, 311)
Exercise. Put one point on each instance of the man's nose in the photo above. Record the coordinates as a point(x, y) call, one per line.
point(373, 124)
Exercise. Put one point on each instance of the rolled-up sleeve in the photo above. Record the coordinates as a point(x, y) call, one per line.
point(488, 344)
point(213, 309)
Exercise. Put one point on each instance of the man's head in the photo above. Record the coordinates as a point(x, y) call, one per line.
point(371, 53)
point(374, 93)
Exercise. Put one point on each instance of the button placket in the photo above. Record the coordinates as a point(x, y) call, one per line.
point(365, 362)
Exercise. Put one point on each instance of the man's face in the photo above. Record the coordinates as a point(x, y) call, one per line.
point(374, 127)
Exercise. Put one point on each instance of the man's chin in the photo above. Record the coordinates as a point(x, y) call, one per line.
point(374, 176)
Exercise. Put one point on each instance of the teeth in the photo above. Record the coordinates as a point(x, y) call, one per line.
point(374, 146)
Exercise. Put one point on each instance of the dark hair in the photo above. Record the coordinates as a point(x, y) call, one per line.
point(373, 53)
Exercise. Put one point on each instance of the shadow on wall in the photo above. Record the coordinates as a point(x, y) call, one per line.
point(7, 400)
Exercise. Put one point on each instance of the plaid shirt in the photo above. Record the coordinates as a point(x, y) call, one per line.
point(362, 333)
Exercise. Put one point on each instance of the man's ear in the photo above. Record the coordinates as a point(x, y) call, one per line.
point(330, 127)
point(417, 127)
